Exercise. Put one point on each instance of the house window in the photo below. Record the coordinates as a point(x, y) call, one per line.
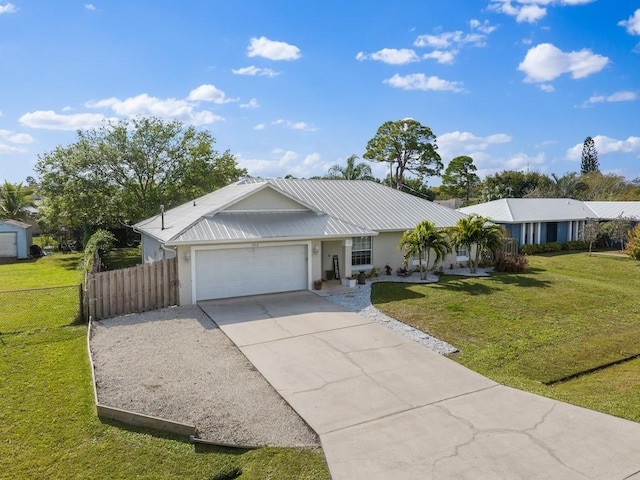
point(461, 251)
point(361, 251)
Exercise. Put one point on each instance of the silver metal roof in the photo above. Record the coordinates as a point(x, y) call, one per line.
point(517, 210)
point(611, 210)
point(350, 208)
point(226, 227)
point(368, 204)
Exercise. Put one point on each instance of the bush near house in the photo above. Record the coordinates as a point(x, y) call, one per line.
point(538, 248)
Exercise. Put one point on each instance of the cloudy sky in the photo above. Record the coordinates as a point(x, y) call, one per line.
point(295, 87)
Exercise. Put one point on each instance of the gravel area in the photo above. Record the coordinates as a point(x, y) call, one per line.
point(359, 300)
point(176, 364)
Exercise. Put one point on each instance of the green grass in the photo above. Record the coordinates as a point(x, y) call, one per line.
point(569, 313)
point(122, 258)
point(49, 428)
point(54, 270)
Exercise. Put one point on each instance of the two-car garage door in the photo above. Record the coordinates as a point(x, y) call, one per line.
point(238, 272)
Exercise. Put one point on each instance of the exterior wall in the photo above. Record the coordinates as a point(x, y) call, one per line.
point(266, 199)
point(152, 250)
point(23, 238)
point(329, 249)
point(386, 252)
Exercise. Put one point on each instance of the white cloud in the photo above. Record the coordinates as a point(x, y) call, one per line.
point(441, 56)
point(13, 137)
point(260, 126)
point(89, 6)
point(606, 145)
point(256, 71)
point(463, 143)
point(632, 24)
point(49, 120)
point(522, 161)
point(448, 39)
point(546, 62)
point(530, 11)
point(419, 81)
point(531, 14)
point(621, 96)
point(272, 50)
point(209, 93)
point(8, 8)
point(547, 87)
point(391, 56)
point(169, 108)
point(295, 125)
point(483, 27)
point(4, 148)
point(253, 103)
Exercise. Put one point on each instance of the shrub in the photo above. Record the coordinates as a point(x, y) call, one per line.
point(633, 247)
point(511, 263)
point(532, 249)
point(552, 247)
point(575, 245)
point(100, 242)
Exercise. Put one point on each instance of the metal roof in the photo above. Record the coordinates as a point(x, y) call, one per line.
point(350, 208)
point(368, 204)
point(517, 210)
point(225, 227)
point(611, 210)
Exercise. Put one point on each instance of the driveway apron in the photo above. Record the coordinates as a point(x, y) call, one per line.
point(385, 407)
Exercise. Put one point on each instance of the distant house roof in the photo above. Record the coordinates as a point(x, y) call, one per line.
point(522, 210)
point(16, 223)
point(327, 208)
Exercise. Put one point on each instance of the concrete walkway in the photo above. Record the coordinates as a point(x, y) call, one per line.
point(387, 408)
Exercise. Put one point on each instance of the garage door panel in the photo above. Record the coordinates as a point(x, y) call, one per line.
point(8, 244)
point(250, 271)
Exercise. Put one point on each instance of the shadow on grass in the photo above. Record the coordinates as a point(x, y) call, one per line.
point(384, 292)
point(520, 280)
point(460, 284)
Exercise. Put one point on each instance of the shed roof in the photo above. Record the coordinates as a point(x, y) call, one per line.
point(16, 223)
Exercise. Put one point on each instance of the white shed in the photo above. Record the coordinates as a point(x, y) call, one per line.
point(15, 239)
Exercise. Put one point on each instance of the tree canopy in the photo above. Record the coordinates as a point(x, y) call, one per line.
point(589, 161)
point(351, 171)
point(15, 199)
point(459, 179)
point(408, 147)
point(123, 171)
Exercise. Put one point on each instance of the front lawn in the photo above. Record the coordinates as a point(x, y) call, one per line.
point(568, 314)
point(48, 424)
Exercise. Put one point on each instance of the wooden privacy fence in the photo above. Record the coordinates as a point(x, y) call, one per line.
point(132, 290)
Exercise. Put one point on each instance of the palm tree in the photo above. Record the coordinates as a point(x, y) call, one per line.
point(422, 240)
point(351, 171)
point(478, 231)
point(14, 201)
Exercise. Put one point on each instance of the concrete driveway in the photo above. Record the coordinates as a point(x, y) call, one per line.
point(386, 408)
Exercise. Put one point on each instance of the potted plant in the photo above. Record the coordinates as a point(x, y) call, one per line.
point(349, 281)
point(317, 284)
point(329, 274)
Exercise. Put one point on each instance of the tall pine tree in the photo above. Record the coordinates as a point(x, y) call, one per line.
point(589, 157)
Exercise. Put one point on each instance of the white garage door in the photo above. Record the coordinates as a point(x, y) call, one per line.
point(239, 272)
point(8, 244)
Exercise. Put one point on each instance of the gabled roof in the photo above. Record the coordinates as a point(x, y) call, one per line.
point(327, 208)
point(368, 204)
point(520, 210)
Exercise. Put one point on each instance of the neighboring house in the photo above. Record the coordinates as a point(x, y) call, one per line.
point(15, 239)
point(260, 236)
point(545, 220)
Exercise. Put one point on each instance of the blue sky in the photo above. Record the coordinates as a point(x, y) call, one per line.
point(295, 87)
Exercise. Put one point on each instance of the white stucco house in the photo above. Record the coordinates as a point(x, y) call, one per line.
point(261, 236)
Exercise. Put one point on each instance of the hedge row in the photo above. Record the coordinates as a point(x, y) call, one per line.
point(554, 247)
